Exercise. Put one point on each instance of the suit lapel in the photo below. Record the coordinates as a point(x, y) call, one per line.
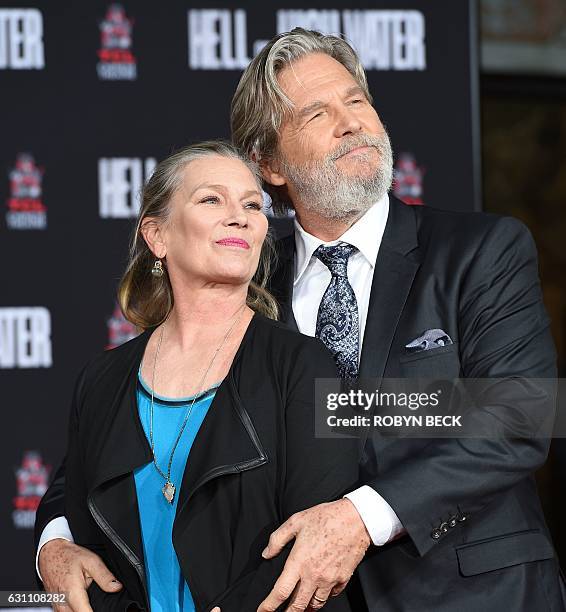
point(281, 285)
point(395, 269)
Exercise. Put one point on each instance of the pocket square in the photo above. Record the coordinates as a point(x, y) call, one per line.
point(431, 339)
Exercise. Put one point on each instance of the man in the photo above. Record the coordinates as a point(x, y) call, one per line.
point(440, 524)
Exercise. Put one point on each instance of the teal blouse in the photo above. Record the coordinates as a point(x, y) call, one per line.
point(167, 589)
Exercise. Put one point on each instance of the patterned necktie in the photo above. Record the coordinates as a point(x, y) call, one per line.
point(337, 323)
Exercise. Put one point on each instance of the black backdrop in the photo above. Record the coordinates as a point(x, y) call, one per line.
point(66, 210)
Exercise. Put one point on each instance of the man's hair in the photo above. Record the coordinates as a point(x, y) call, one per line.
point(260, 105)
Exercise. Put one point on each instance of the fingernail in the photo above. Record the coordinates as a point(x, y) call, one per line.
point(264, 553)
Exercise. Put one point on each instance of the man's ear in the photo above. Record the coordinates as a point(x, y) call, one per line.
point(271, 172)
point(151, 232)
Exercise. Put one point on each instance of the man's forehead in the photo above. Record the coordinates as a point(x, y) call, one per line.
point(300, 111)
point(309, 76)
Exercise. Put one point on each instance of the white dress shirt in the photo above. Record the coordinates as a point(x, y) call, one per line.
point(56, 528)
point(310, 282)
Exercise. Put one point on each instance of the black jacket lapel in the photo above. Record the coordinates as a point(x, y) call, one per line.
point(395, 268)
point(227, 443)
point(112, 498)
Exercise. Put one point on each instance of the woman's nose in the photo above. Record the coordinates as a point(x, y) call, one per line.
point(235, 215)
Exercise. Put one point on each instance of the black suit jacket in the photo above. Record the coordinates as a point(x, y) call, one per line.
point(475, 276)
point(254, 462)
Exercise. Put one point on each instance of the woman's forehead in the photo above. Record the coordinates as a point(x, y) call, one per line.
point(217, 168)
point(218, 171)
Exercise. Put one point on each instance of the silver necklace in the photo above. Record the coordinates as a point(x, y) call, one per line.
point(168, 489)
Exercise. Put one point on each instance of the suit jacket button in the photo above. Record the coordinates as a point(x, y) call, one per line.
point(443, 527)
point(436, 533)
point(452, 521)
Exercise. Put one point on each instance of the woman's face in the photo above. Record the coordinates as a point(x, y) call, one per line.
point(217, 225)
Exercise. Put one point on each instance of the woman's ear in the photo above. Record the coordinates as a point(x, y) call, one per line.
point(271, 172)
point(152, 234)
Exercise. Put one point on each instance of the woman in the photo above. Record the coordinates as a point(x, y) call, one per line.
point(213, 374)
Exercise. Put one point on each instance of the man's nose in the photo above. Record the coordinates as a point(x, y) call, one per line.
point(347, 123)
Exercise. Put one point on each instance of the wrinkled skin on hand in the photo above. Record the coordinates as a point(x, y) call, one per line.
point(68, 568)
point(330, 541)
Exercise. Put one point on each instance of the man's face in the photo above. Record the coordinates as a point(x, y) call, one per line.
point(333, 153)
point(329, 107)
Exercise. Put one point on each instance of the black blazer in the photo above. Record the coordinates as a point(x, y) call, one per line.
point(475, 276)
point(254, 462)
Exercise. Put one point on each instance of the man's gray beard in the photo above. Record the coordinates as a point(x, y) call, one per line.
point(324, 189)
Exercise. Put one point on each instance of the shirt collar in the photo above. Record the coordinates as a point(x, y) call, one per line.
point(365, 234)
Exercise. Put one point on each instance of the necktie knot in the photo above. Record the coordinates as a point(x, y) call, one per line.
point(335, 258)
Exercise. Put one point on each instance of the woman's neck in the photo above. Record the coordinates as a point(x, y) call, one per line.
point(196, 345)
point(205, 313)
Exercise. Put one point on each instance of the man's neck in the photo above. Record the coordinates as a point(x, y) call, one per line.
point(324, 228)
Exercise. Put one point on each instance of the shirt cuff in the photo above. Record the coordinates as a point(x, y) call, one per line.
point(382, 523)
point(56, 528)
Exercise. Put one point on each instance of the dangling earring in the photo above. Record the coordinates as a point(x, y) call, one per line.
point(157, 269)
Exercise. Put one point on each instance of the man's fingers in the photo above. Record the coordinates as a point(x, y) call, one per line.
point(319, 598)
point(281, 536)
point(338, 588)
point(77, 601)
point(69, 568)
point(301, 597)
point(103, 577)
point(282, 590)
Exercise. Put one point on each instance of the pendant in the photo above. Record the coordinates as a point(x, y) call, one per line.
point(168, 491)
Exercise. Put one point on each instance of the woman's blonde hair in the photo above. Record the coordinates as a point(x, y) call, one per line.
point(260, 105)
point(146, 300)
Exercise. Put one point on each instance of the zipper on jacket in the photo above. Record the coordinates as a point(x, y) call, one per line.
point(120, 545)
point(215, 473)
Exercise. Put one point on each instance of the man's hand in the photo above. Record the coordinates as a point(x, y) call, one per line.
point(66, 567)
point(330, 541)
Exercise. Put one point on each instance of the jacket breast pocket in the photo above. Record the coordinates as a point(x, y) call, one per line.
point(441, 362)
point(504, 551)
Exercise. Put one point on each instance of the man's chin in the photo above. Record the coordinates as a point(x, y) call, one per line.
point(350, 215)
point(357, 167)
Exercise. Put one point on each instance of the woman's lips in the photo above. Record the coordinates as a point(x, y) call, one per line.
point(236, 242)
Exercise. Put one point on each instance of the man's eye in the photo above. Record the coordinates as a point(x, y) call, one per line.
point(357, 101)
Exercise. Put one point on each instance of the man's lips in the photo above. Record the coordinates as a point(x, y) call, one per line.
point(360, 149)
point(237, 242)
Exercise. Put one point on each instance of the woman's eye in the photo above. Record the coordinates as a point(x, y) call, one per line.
point(254, 206)
point(210, 200)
